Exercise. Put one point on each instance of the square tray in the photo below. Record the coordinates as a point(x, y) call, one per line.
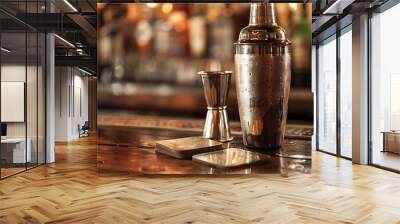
point(185, 148)
point(231, 158)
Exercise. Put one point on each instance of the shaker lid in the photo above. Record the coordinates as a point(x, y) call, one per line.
point(256, 34)
point(262, 26)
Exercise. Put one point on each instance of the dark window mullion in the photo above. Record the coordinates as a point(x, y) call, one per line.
point(317, 97)
point(0, 95)
point(369, 100)
point(26, 87)
point(37, 90)
point(44, 79)
point(338, 74)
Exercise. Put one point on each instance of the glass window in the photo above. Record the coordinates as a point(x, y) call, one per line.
point(385, 89)
point(41, 99)
point(31, 97)
point(15, 149)
point(22, 91)
point(327, 96)
point(346, 93)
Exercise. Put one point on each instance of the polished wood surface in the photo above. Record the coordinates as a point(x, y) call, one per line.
point(126, 143)
point(8, 171)
point(132, 150)
point(72, 191)
point(125, 119)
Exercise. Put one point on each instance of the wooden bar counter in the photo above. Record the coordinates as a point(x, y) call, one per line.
point(126, 144)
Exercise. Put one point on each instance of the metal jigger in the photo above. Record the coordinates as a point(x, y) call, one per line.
point(216, 88)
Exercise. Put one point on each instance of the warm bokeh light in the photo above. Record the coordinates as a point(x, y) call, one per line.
point(152, 5)
point(293, 6)
point(167, 8)
point(179, 21)
point(100, 6)
point(151, 45)
point(133, 12)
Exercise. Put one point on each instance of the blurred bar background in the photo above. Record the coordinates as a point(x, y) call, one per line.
point(149, 54)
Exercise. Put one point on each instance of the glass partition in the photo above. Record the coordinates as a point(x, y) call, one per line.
point(385, 89)
point(326, 105)
point(22, 88)
point(41, 96)
point(31, 99)
point(346, 93)
point(15, 151)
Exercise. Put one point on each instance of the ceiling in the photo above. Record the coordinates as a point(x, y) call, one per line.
point(331, 15)
point(73, 20)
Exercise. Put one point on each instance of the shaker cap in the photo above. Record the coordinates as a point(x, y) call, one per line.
point(262, 26)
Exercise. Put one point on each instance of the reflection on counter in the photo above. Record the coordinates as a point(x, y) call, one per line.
point(132, 150)
point(230, 158)
point(185, 148)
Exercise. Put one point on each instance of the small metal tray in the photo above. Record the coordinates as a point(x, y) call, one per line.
point(231, 158)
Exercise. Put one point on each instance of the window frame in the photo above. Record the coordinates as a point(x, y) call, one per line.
point(333, 37)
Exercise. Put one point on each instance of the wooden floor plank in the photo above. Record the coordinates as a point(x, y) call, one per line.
point(72, 191)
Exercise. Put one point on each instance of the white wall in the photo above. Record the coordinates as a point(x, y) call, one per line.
point(12, 73)
point(13, 101)
point(80, 110)
point(62, 80)
point(33, 126)
point(71, 94)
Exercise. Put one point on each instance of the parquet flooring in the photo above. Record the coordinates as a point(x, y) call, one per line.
point(71, 191)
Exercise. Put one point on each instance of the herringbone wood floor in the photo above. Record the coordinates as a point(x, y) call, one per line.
point(71, 191)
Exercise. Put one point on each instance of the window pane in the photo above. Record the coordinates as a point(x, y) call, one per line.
point(31, 97)
point(41, 99)
point(32, 87)
point(327, 96)
point(346, 94)
point(385, 114)
point(15, 150)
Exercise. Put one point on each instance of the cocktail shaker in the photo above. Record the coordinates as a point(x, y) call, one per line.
point(262, 69)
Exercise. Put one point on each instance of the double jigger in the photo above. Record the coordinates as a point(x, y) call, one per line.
point(216, 88)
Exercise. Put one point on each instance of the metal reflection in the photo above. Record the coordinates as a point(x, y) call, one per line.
point(263, 72)
point(216, 88)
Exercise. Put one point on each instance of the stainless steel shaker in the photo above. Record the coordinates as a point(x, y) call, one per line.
point(216, 87)
point(262, 69)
